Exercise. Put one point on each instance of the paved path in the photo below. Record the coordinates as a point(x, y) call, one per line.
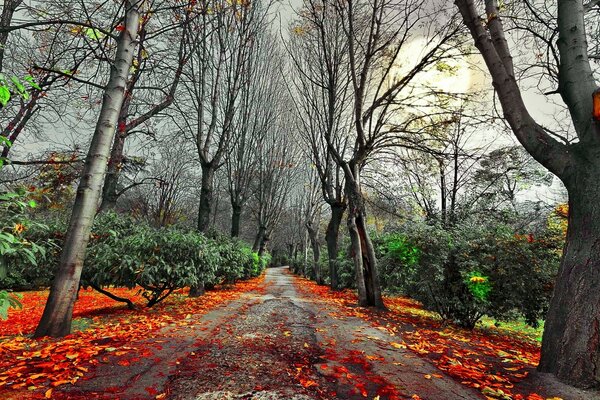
point(272, 343)
point(275, 343)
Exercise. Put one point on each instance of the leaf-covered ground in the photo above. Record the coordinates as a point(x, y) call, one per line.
point(32, 368)
point(497, 362)
point(276, 337)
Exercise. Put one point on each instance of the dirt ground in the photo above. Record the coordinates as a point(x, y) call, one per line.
point(275, 343)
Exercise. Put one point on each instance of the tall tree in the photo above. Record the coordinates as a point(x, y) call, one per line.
point(570, 345)
point(148, 77)
point(255, 114)
point(214, 79)
point(318, 49)
point(56, 319)
point(377, 33)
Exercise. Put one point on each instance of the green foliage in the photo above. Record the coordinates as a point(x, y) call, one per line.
point(13, 247)
point(397, 258)
point(478, 285)
point(125, 252)
point(14, 85)
point(475, 268)
point(128, 253)
point(7, 301)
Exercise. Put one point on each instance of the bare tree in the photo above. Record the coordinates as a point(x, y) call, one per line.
point(376, 33)
point(318, 49)
point(148, 77)
point(214, 79)
point(255, 115)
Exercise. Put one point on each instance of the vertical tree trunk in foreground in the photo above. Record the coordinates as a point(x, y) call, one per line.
point(56, 319)
point(571, 340)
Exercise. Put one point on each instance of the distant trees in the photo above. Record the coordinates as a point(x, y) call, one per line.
point(228, 33)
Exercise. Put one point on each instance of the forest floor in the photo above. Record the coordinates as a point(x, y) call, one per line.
point(276, 337)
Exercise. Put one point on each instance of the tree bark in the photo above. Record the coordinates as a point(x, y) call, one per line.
point(363, 252)
point(197, 290)
point(109, 190)
point(56, 319)
point(236, 217)
point(8, 10)
point(206, 197)
point(331, 238)
point(258, 239)
point(571, 340)
point(313, 235)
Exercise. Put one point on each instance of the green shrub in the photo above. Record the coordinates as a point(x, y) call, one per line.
point(473, 269)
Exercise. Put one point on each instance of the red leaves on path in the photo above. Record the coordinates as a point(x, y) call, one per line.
point(487, 361)
point(31, 368)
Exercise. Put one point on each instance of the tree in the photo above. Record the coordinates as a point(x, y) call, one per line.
point(56, 319)
point(570, 345)
point(376, 33)
point(312, 218)
point(148, 78)
point(277, 173)
point(255, 114)
point(214, 79)
point(318, 49)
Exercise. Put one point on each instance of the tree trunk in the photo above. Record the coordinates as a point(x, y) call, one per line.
point(197, 290)
point(313, 234)
point(109, 190)
point(363, 252)
point(206, 197)
point(5, 19)
point(56, 319)
point(571, 340)
point(262, 231)
point(236, 217)
point(331, 237)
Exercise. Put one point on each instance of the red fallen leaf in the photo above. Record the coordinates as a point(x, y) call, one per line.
point(26, 362)
point(361, 389)
point(151, 391)
point(534, 396)
point(120, 28)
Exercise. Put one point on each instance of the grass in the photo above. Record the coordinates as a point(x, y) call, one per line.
point(513, 328)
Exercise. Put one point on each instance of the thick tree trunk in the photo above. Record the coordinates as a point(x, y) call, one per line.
point(571, 341)
point(236, 218)
point(363, 252)
point(331, 237)
point(206, 197)
point(109, 190)
point(56, 319)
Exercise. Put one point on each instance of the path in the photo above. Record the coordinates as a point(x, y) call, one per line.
point(273, 343)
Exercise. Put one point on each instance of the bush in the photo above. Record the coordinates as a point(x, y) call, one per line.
point(472, 269)
point(126, 252)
